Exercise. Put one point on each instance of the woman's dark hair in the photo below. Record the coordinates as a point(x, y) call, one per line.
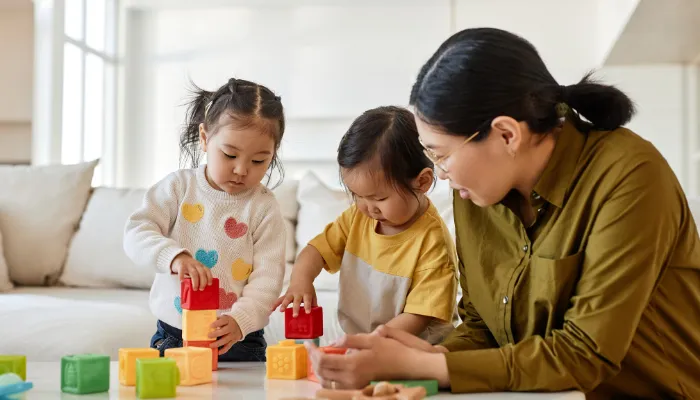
point(246, 104)
point(387, 136)
point(479, 74)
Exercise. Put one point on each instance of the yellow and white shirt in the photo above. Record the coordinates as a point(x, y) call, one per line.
point(382, 276)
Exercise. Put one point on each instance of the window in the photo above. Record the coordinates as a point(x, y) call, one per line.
point(89, 76)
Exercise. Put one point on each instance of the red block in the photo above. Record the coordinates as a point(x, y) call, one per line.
point(214, 352)
point(305, 326)
point(310, 375)
point(207, 299)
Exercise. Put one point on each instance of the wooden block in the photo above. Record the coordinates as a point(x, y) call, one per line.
point(214, 352)
point(304, 326)
point(127, 363)
point(207, 299)
point(431, 386)
point(16, 364)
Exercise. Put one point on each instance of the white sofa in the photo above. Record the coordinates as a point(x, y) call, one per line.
point(66, 285)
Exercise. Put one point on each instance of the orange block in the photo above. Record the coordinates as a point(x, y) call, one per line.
point(127, 363)
point(286, 360)
point(193, 363)
point(196, 325)
point(214, 352)
point(310, 374)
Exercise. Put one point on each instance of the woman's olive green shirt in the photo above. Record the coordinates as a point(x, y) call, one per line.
point(600, 294)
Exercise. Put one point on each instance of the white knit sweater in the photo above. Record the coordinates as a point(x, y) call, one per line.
point(240, 237)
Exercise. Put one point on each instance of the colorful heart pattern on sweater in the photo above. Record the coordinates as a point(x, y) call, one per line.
point(192, 212)
point(178, 306)
point(241, 270)
point(207, 258)
point(226, 300)
point(235, 229)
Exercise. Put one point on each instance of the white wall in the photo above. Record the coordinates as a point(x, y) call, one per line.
point(328, 62)
point(16, 47)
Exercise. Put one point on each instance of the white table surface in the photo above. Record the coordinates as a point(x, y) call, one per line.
point(231, 381)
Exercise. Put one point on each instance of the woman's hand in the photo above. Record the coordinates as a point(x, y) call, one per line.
point(228, 332)
point(187, 267)
point(408, 339)
point(375, 358)
point(301, 290)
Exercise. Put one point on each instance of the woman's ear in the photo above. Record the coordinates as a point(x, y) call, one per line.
point(509, 132)
point(203, 137)
point(424, 180)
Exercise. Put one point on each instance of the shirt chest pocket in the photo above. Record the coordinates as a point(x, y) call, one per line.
point(545, 290)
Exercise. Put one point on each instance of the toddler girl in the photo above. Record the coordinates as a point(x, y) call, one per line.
point(218, 220)
point(395, 256)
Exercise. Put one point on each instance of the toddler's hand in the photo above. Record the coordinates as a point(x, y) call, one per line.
point(301, 291)
point(227, 330)
point(187, 267)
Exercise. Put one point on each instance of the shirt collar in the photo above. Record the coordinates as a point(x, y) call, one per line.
point(556, 178)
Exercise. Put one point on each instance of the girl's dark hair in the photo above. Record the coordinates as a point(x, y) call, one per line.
point(246, 104)
point(479, 74)
point(387, 136)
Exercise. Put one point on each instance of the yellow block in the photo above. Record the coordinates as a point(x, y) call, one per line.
point(127, 363)
point(286, 360)
point(196, 325)
point(194, 364)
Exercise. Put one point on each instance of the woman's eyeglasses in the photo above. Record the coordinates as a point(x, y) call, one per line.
point(440, 161)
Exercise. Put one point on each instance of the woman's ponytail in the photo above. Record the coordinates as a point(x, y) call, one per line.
point(604, 106)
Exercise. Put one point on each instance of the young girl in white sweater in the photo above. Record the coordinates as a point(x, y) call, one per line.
point(218, 220)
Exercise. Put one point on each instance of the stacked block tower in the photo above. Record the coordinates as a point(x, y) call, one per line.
point(289, 359)
point(198, 313)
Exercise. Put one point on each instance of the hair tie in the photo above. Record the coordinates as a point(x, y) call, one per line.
point(232, 83)
point(562, 109)
point(278, 98)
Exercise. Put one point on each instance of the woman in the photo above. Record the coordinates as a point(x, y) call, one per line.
point(579, 258)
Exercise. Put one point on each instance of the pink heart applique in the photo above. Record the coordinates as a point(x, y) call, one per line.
point(226, 300)
point(234, 229)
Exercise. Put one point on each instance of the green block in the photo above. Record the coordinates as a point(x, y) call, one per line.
point(85, 373)
point(14, 364)
point(317, 341)
point(156, 378)
point(431, 387)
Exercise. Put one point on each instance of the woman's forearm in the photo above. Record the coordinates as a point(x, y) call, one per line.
point(428, 366)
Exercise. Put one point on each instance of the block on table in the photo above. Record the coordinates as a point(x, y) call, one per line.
point(286, 360)
point(85, 373)
point(304, 326)
point(156, 378)
point(431, 386)
point(16, 364)
point(207, 299)
point(194, 364)
point(214, 352)
point(127, 363)
point(196, 325)
point(316, 341)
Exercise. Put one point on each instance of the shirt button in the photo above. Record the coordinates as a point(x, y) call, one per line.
point(536, 196)
point(540, 210)
point(526, 248)
point(505, 300)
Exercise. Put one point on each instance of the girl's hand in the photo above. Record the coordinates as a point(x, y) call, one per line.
point(300, 290)
point(228, 332)
point(187, 267)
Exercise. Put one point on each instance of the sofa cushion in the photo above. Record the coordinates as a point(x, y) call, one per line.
point(286, 195)
point(5, 283)
point(319, 205)
point(96, 256)
point(40, 208)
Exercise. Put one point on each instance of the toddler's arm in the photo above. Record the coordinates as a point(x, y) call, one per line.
point(301, 284)
point(414, 324)
point(252, 310)
point(146, 239)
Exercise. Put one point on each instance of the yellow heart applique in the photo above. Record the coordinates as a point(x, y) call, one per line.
point(192, 212)
point(241, 270)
